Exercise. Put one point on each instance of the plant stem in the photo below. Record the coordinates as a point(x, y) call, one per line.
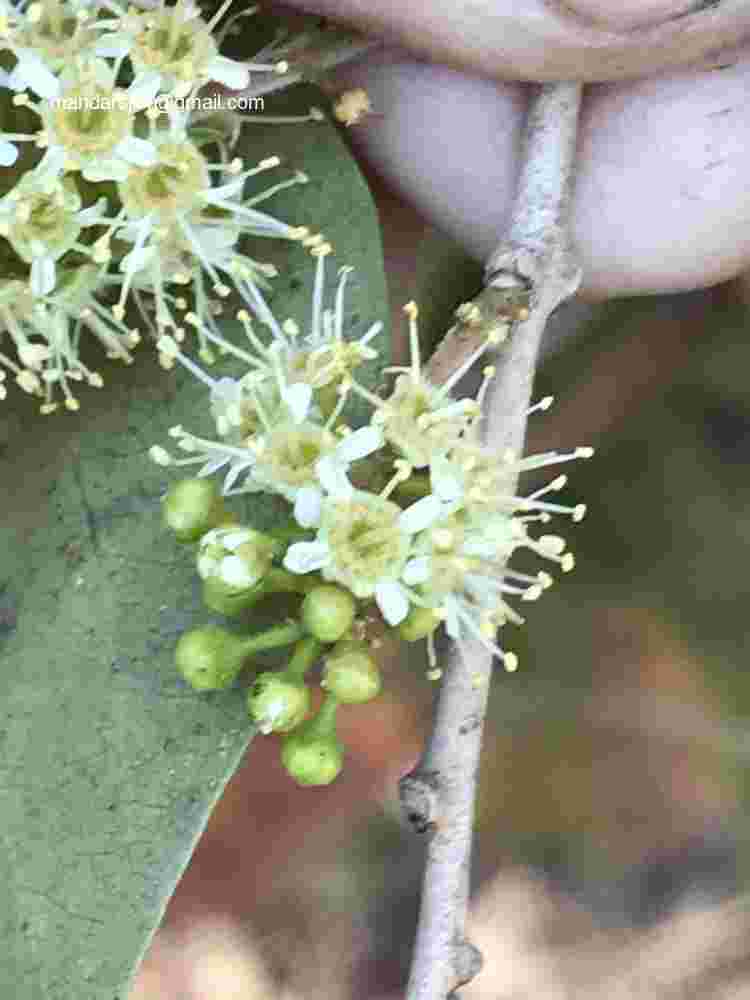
point(272, 638)
point(324, 723)
point(533, 265)
point(306, 652)
point(281, 581)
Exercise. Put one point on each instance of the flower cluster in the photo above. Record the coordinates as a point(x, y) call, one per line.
point(409, 521)
point(121, 204)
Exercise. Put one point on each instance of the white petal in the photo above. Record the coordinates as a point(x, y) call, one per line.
point(392, 601)
point(42, 276)
point(332, 477)
point(235, 573)
point(447, 483)
point(304, 557)
point(420, 515)
point(452, 626)
point(234, 539)
point(89, 215)
point(232, 74)
point(206, 566)
point(8, 153)
point(31, 72)
point(112, 46)
point(106, 170)
point(417, 571)
point(307, 507)
point(137, 151)
point(143, 90)
point(53, 161)
point(298, 398)
point(359, 444)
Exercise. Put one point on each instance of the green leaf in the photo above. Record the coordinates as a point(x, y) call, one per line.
point(110, 766)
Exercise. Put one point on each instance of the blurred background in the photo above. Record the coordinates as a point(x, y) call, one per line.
point(611, 854)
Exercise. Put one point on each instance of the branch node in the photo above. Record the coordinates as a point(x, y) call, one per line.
point(488, 318)
point(419, 795)
point(467, 962)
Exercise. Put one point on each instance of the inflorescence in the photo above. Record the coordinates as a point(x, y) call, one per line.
point(121, 204)
point(403, 525)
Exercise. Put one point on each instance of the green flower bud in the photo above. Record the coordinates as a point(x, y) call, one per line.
point(328, 612)
point(312, 754)
point(192, 507)
point(280, 701)
point(237, 558)
point(277, 702)
point(226, 601)
point(418, 624)
point(210, 658)
point(351, 674)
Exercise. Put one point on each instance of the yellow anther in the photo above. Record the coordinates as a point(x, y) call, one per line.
point(442, 539)
point(510, 662)
point(352, 106)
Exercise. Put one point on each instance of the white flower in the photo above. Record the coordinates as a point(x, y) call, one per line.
point(45, 332)
point(89, 126)
point(324, 355)
point(470, 477)
point(418, 418)
point(178, 45)
point(364, 542)
point(41, 217)
point(186, 229)
point(236, 557)
point(45, 36)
